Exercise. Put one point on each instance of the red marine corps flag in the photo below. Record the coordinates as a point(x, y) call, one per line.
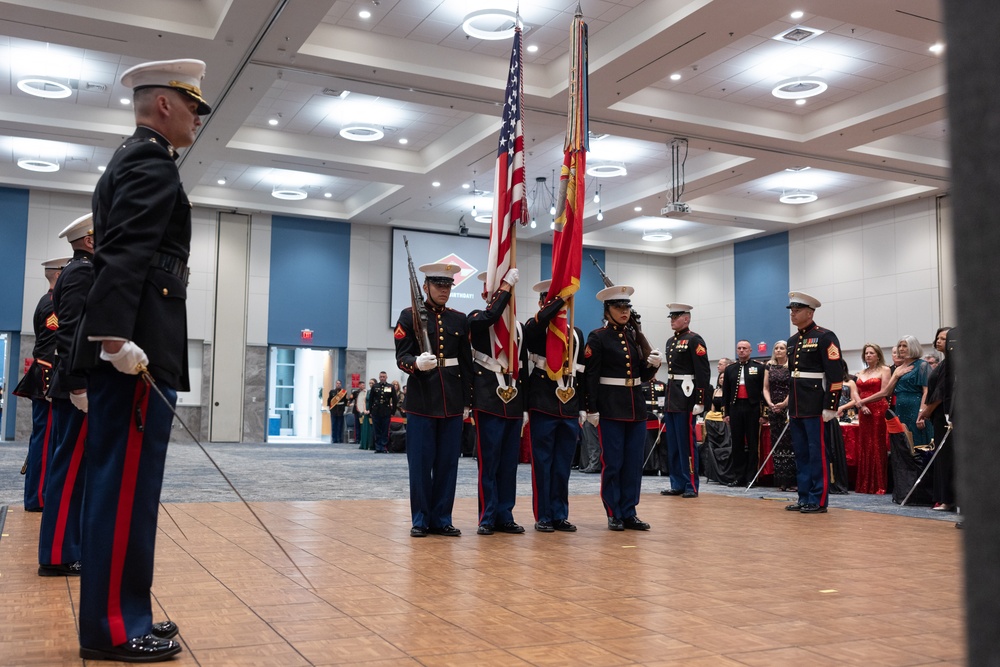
point(510, 207)
point(567, 245)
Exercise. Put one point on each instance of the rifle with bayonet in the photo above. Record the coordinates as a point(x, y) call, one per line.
point(417, 304)
point(633, 318)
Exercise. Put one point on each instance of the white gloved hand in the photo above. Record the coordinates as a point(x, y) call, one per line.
point(128, 359)
point(593, 418)
point(829, 414)
point(697, 409)
point(465, 413)
point(426, 361)
point(654, 359)
point(582, 417)
point(511, 277)
point(79, 400)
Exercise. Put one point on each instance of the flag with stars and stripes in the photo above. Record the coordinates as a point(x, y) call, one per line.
point(509, 207)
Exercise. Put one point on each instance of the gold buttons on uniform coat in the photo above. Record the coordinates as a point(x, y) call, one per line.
point(164, 291)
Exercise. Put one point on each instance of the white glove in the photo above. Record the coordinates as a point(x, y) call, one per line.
point(511, 277)
point(426, 361)
point(697, 409)
point(465, 413)
point(79, 400)
point(829, 414)
point(654, 359)
point(582, 417)
point(593, 418)
point(128, 359)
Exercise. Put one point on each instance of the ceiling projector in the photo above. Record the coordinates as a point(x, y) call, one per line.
point(675, 209)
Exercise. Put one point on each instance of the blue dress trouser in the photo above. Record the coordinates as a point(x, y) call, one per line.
point(39, 446)
point(125, 452)
point(433, 447)
point(812, 473)
point(622, 444)
point(380, 426)
point(499, 449)
point(59, 535)
point(682, 451)
point(553, 445)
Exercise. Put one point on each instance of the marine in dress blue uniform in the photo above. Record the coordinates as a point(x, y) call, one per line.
point(438, 396)
point(742, 392)
point(615, 404)
point(59, 536)
point(35, 386)
point(498, 422)
point(553, 418)
point(817, 377)
point(688, 391)
point(136, 309)
point(381, 405)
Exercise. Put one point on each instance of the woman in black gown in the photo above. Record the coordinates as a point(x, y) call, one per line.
point(776, 381)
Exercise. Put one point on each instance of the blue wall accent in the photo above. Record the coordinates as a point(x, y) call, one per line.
point(760, 273)
point(310, 272)
point(589, 311)
point(14, 232)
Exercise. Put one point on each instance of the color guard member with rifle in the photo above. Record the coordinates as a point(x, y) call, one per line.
point(432, 347)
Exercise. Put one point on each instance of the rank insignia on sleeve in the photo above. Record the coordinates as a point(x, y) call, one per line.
point(701, 351)
point(836, 386)
point(52, 322)
point(832, 352)
point(399, 334)
point(587, 352)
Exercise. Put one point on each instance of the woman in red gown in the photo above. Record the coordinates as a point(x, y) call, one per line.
point(873, 444)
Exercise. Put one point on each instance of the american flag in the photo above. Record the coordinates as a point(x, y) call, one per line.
point(510, 206)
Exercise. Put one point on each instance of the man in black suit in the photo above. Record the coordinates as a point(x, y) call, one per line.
point(381, 405)
point(136, 310)
point(742, 390)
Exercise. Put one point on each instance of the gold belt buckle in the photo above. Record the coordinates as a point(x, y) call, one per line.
point(795, 374)
point(629, 382)
point(441, 361)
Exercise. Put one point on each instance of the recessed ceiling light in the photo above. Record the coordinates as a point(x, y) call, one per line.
point(800, 102)
point(272, 121)
point(637, 209)
point(221, 181)
point(327, 194)
point(490, 16)
point(465, 186)
point(362, 133)
point(436, 184)
point(607, 170)
point(365, 14)
point(675, 77)
point(404, 140)
point(798, 197)
point(797, 15)
point(288, 193)
point(937, 49)
point(37, 164)
point(101, 167)
point(799, 87)
point(46, 88)
point(125, 101)
point(484, 218)
point(533, 48)
point(657, 235)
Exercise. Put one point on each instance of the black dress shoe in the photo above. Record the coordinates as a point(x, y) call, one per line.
point(418, 531)
point(813, 509)
point(564, 526)
point(60, 570)
point(164, 630)
point(794, 507)
point(615, 524)
point(511, 527)
point(635, 523)
point(140, 649)
point(447, 531)
point(484, 529)
point(670, 492)
point(32, 509)
point(689, 494)
point(544, 527)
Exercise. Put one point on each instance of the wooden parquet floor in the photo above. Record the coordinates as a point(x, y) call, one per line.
point(718, 581)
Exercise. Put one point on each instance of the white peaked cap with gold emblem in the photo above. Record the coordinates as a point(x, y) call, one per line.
point(56, 263)
point(618, 293)
point(440, 272)
point(542, 286)
point(184, 75)
point(802, 300)
point(679, 308)
point(481, 277)
point(82, 226)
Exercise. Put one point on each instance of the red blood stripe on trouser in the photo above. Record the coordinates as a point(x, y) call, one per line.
point(123, 517)
point(67, 493)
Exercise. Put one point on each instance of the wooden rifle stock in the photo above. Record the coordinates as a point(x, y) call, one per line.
point(417, 304)
point(633, 318)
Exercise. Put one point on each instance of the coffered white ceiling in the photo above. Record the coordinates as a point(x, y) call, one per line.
point(877, 136)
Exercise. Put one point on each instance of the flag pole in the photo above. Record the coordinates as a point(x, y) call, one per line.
point(571, 336)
